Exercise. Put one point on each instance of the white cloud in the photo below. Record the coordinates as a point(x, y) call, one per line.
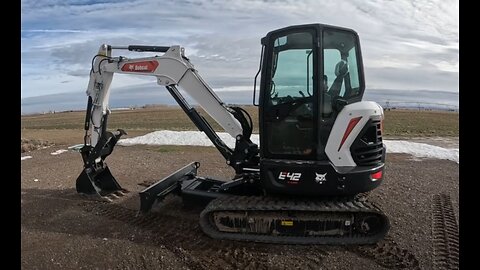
point(222, 38)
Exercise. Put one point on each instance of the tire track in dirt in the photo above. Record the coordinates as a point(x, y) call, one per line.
point(178, 231)
point(389, 254)
point(157, 229)
point(182, 236)
point(445, 233)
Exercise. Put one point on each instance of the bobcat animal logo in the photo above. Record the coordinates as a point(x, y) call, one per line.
point(320, 178)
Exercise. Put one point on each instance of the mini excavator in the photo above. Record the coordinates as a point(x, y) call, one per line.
point(320, 145)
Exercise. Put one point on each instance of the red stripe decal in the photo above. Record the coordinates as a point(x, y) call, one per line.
point(351, 125)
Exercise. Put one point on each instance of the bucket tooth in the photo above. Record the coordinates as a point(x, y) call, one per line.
point(120, 193)
point(106, 198)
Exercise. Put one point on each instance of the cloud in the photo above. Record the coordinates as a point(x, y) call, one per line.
point(405, 44)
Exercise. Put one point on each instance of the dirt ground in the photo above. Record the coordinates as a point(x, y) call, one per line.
point(63, 230)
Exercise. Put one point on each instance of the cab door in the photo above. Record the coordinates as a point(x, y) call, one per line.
point(288, 107)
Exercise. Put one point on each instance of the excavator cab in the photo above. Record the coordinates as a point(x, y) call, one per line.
point(309, 74)
point(298, 102)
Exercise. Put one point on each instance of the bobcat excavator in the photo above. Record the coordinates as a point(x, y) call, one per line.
point(320, 144)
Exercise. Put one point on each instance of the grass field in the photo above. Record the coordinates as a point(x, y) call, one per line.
point(67, 127)
point(421, 123)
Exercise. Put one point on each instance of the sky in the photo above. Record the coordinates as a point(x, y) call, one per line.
point(406, 44)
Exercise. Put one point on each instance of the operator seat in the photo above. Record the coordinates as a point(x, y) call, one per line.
point(341, 70)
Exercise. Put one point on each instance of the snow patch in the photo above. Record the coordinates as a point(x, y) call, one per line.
point(58, 152)
point(25, 157)
point(197, 138)
point(168, 137)
point(76, 147)
point(422, 150)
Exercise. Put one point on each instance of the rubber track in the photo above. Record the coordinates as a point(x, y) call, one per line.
point(445, 234)
point(254, 203)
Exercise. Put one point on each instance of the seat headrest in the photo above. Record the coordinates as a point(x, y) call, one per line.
point(341, 68)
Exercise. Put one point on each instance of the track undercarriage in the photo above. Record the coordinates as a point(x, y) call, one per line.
point(236, 212)
point(338, 221)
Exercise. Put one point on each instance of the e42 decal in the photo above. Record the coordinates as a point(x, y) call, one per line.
point(292, 178)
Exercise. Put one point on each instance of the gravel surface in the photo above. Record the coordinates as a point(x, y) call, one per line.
point(63, 230)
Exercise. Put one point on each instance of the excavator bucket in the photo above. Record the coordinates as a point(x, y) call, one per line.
point(96, 176)
point(101, 182)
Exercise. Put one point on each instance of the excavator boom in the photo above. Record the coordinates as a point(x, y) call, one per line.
point(170, 69)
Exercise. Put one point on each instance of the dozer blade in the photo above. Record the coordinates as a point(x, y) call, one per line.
point(101, 182)
point(158, 191)
point(287, 221)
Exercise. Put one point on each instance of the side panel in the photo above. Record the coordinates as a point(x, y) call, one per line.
point(350, 121)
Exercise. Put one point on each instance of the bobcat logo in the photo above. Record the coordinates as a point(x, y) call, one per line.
point(320, 178)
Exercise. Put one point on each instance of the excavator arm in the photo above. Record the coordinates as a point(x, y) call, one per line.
point(172, 70)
